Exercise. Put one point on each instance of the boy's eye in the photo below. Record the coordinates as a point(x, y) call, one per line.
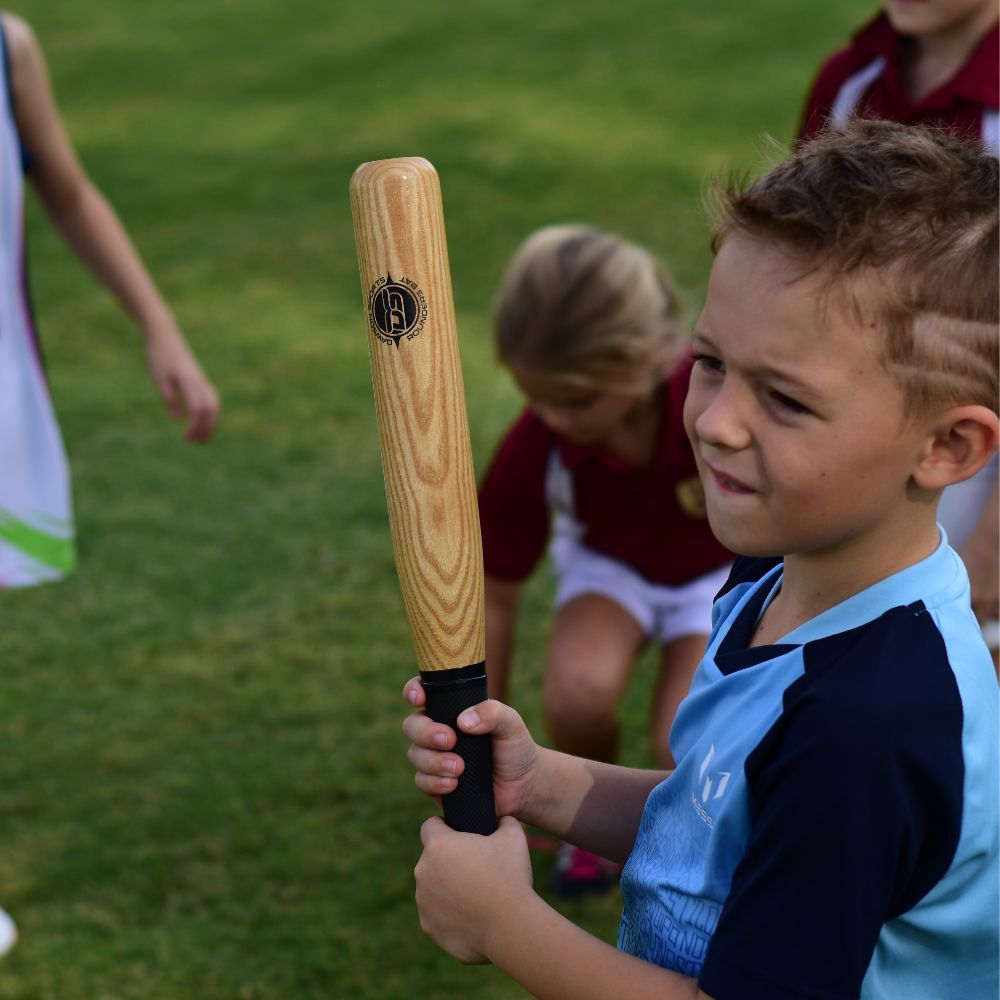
point(579, 402)
point(709, 363)
point(787, 403)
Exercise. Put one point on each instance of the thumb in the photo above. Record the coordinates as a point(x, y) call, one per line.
point(431, 829)
point(491, 717)
point(508, 824)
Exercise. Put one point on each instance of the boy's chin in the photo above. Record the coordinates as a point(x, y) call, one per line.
point(756, 552)
point(744, 543)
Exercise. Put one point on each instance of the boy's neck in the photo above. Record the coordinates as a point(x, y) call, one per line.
point(930, 61)
point(815, 582)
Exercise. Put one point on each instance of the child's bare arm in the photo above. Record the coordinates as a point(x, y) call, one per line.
point(502, 598)
point(593, 805)
point(92, 229)
point(475, 900)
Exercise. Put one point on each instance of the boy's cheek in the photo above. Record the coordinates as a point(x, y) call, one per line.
point(690, 416)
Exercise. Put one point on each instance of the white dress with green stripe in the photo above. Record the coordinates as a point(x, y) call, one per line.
point(36, 512)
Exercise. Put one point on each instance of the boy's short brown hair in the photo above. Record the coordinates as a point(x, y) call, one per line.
point(904, 221)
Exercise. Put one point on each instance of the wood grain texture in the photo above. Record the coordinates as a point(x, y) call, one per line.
point(420, 407)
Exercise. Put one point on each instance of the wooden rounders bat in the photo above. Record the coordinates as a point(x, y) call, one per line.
point(423, 430)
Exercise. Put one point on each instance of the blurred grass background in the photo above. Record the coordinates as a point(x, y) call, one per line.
point(203, 791)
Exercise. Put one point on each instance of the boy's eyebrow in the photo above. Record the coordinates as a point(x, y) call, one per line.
point(793, 381)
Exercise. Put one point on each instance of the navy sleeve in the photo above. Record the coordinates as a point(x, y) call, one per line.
point(856, 808)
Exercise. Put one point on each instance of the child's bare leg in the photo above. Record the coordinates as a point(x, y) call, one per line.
point(591, 653)
point(678, 662)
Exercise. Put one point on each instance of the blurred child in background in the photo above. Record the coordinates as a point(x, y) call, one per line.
point(933, 63)
point(590, 328)
point(36, 517)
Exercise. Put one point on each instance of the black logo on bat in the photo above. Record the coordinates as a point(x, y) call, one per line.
point(397, 309)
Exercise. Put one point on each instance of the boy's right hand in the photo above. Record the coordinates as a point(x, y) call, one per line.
point(515, 753)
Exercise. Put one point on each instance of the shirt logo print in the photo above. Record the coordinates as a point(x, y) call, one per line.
point(722, 777)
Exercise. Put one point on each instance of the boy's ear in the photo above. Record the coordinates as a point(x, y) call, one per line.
point(958, 446)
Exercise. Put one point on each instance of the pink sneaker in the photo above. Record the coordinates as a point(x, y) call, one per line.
point(578, 872)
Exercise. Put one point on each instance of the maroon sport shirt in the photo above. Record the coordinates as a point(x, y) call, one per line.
point(652, 518)
point(865, 78)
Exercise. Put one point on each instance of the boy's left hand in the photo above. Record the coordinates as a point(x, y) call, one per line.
point(467, 884)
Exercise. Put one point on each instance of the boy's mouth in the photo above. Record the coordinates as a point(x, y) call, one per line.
point(727, 483)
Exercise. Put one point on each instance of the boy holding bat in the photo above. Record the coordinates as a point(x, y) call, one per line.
point(831, 826)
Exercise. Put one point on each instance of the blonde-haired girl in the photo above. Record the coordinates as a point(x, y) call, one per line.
point(590, 328)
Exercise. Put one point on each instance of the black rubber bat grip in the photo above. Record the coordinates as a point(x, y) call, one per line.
point(470, 807)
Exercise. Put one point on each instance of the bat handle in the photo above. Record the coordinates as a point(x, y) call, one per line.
point(470, 808)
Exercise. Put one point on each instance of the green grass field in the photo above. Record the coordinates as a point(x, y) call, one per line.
point(203, 789)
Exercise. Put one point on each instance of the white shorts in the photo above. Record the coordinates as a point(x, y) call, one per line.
point(663, 613)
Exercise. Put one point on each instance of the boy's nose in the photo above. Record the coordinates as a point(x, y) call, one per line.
point(721, 421)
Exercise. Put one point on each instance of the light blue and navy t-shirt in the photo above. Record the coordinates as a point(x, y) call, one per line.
point(831, 829)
